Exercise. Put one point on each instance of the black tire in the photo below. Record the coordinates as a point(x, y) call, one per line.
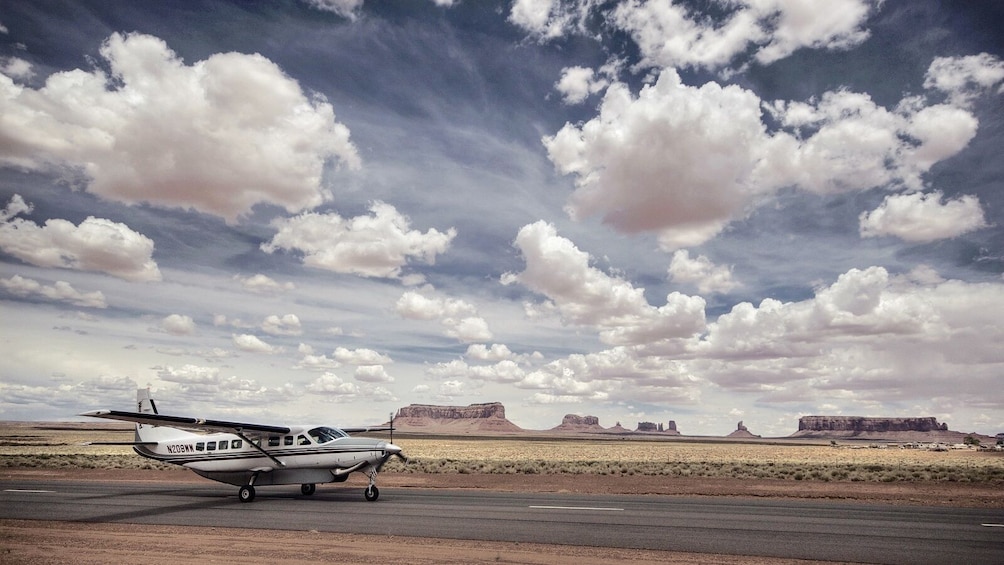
point(371, 493)
point(246, 494)
point(307, 489)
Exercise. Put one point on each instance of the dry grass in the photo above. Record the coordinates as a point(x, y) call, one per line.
point(753, 460)
point(32, 445)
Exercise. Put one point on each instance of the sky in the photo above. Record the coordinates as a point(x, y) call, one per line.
point(325, 210)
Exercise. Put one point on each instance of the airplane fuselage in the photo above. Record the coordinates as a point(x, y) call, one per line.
point(308, 454)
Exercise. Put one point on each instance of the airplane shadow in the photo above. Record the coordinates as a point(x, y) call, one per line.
point(209, 499)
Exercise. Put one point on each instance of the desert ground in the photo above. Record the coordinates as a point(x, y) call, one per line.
point(854, 473)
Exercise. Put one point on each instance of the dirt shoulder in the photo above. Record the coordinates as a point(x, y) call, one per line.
point(58, 543)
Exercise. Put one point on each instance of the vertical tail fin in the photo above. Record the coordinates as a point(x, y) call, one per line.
point(147, 432)
point(144, 402)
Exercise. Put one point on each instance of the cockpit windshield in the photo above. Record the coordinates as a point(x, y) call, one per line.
point(325, 434)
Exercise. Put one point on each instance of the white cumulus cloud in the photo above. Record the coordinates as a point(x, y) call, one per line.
point(675, 159)
point(669, 34)
point(330, 383)
point(60, 291)
point(481, 352)
point(701, 272)
point(252, 344)
point(379, 245)
point(178, 324)
point(578, 83)
point(923, 217)
point(262, 284)
point(964, 78)
point(96, 244)
point(866, 334)
point(684, 161)
point(372, 374)
point(361, 356)
point(219, 135)
point(288, 324)
point(584, 295)
point(16, 68)
point(460, 318)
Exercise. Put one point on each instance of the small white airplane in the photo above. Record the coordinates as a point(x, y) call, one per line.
point(249, 455)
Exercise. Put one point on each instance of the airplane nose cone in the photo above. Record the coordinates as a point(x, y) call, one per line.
point(391, 449)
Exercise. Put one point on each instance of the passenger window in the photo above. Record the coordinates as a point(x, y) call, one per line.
point(302, 440)
point(223, 444)
point(200, 446)
point(236, 444)
point(211, 446)
point(288, 440)
point(273, 441)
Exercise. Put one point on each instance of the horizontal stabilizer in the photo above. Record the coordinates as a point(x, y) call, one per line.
point(118, 443)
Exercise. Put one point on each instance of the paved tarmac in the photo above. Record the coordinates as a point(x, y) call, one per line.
point(768, 527)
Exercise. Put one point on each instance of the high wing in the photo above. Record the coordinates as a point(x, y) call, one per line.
point(185, 422)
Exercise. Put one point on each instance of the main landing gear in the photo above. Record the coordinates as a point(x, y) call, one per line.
point(246, 494)
point(307, 489)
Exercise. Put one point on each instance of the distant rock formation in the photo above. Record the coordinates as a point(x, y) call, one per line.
point(860, 424)
point(574, 420)
point(851, 426)
point(647, 427)
point(618, 429)
point(651, 427)
point(576, 423)
point(742, 432)
point(487, 417)
point(486, 410)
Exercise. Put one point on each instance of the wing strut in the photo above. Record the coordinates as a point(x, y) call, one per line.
point(240, 434)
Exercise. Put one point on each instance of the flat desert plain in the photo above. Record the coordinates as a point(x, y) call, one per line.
point(755, 468)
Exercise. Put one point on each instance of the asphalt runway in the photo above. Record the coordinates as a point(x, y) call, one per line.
point(768, 527)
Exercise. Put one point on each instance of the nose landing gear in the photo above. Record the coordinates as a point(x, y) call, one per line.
point(372, 492)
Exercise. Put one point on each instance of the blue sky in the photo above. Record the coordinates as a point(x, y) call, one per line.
point(325, 210)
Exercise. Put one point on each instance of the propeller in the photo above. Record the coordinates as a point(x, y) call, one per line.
point(399, 455)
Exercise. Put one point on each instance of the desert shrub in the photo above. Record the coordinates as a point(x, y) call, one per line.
point(669, 459)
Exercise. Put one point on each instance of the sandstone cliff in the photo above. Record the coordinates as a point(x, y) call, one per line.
point(575, 423)
point(618, 429)
point(857, 426)
point(742, 432)
point(650, 427)
point(487, 417)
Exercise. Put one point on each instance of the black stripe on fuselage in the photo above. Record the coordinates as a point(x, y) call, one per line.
point(199, 457)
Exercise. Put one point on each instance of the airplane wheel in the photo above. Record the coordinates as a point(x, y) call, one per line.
point(371, 493)
point(246, 494)
point(308, 489)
